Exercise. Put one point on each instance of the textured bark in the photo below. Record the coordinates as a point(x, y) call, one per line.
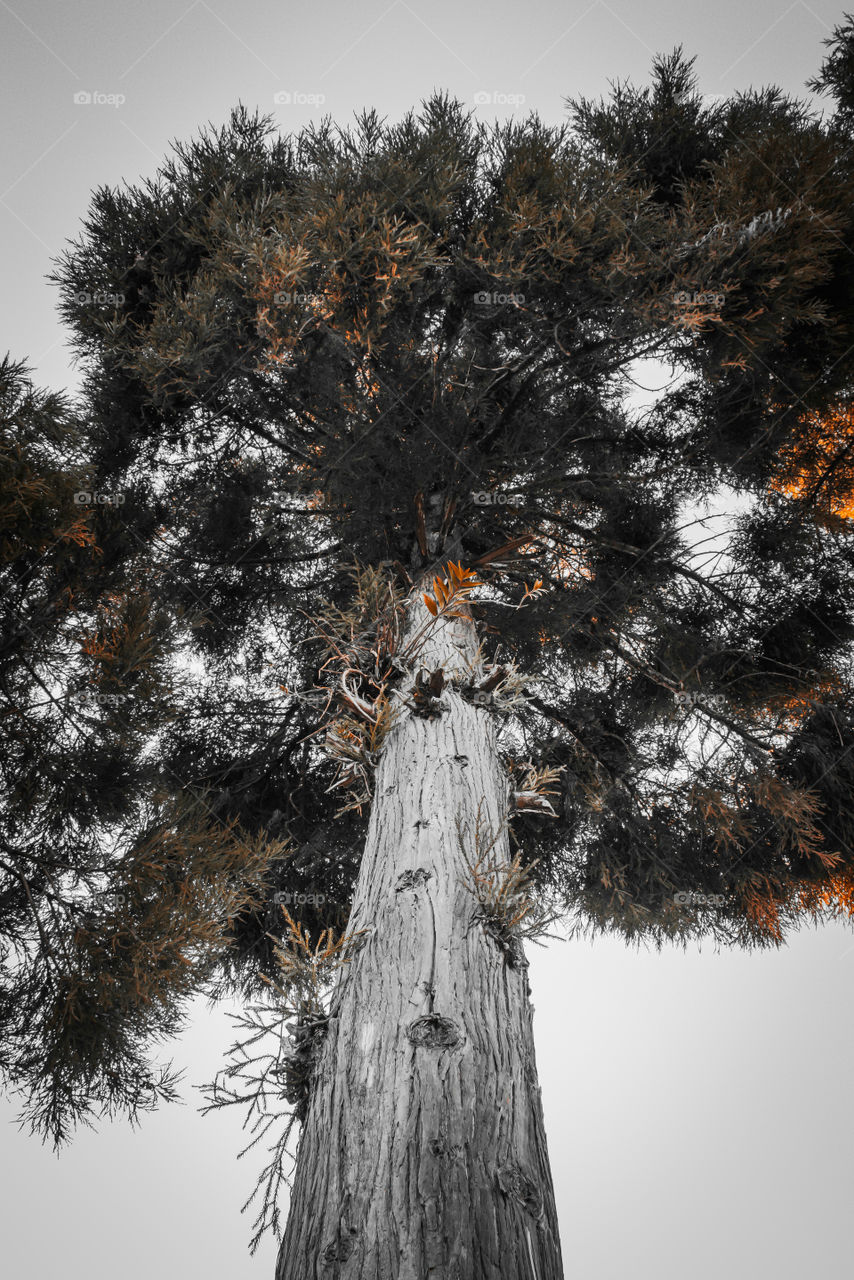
point(423, 1152)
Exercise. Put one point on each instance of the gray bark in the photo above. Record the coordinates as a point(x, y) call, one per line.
point(423, 1152)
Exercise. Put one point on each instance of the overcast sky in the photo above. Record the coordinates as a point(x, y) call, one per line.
point(697, 1104)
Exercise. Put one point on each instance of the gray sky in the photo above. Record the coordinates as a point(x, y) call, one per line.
point(696, 1104)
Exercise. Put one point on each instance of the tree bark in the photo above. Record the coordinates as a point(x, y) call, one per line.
point(423, 1153)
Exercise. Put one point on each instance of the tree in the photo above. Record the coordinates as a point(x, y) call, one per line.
point(436, 588)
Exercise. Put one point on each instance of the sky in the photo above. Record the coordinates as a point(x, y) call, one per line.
point(697, 1103)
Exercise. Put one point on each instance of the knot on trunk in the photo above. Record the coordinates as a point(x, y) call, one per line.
point(340, 1249)
point(412, 879)
point(434, 1032)
point(519, 1186)
point(445, 1150)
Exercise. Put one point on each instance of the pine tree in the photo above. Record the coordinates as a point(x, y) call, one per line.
point(464, 644)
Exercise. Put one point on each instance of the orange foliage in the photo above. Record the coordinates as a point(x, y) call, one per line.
point(79, 533)
point(792, 709)
point(762, 909)
point(820, 465)
point(836, 892)
point(455, 588)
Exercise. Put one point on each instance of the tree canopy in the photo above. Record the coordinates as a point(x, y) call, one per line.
point(319, 368)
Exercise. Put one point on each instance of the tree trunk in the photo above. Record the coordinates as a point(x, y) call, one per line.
point(423, 1152)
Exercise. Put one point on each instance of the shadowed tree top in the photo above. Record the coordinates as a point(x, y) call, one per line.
point(318, 368)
